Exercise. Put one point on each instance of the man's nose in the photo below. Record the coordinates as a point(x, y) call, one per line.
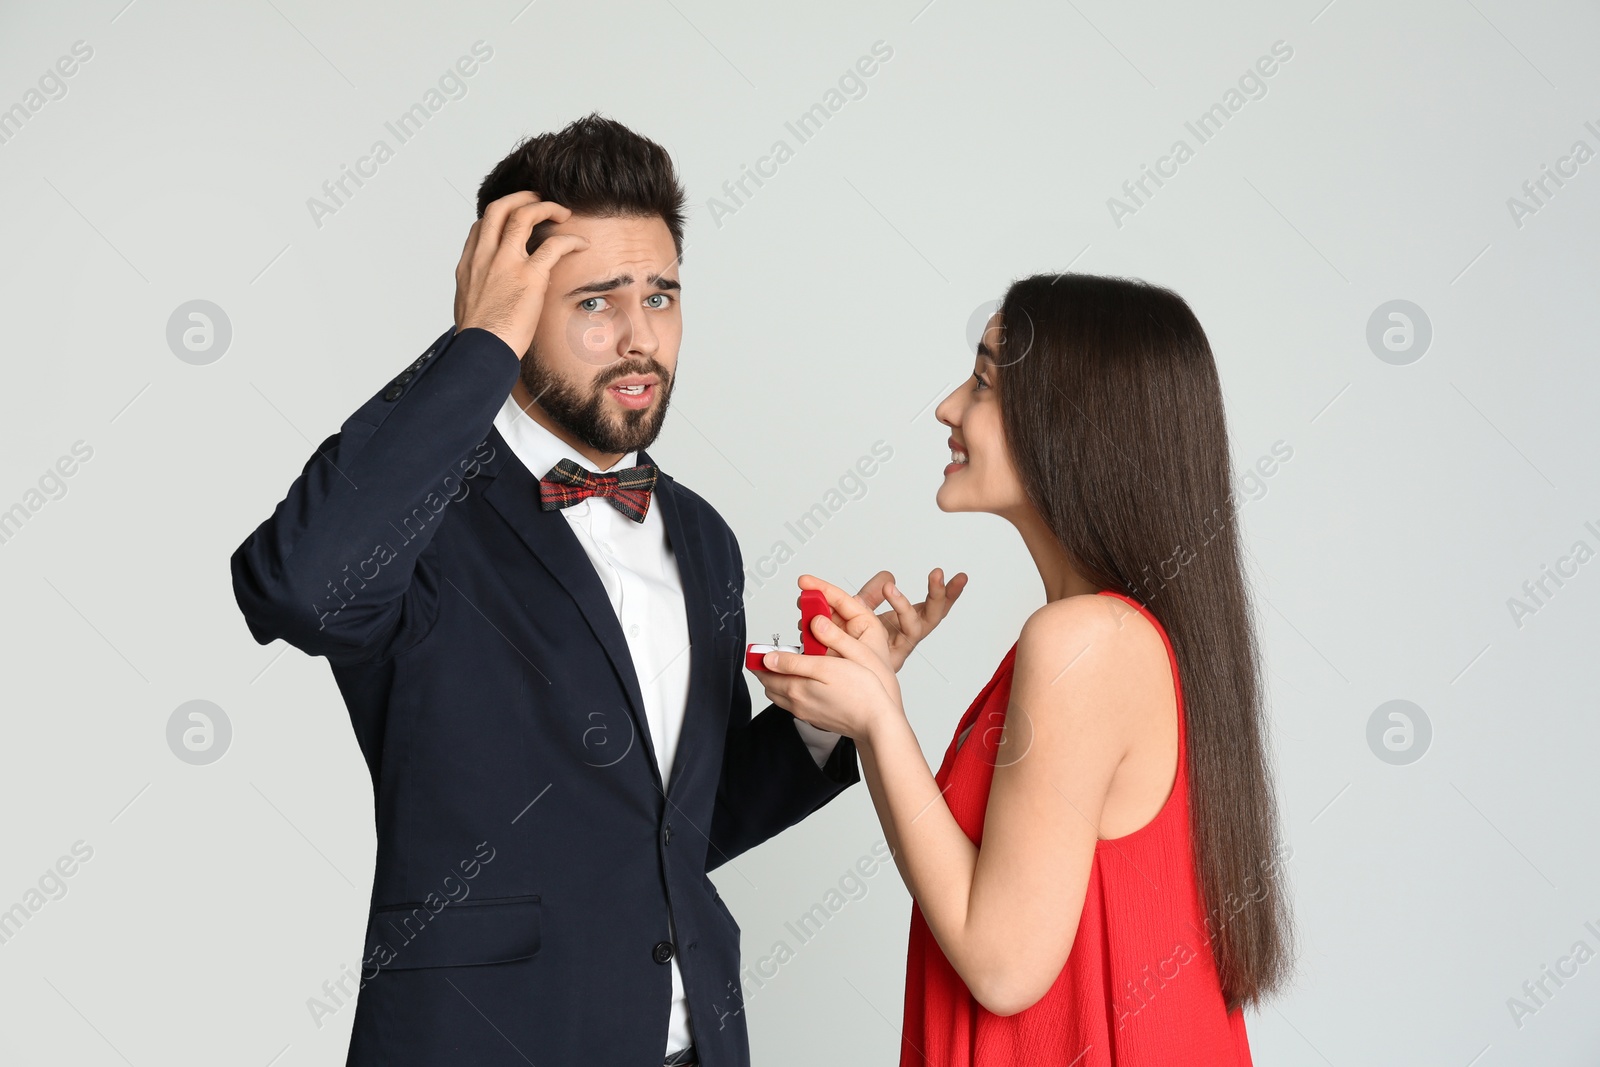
point(636, 334)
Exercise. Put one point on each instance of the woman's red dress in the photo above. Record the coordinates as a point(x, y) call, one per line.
point(1140, 986)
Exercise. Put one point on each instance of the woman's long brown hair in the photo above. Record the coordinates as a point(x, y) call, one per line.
point(1113, 416)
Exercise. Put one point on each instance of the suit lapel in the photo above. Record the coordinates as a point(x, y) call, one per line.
point(687, 542)
point(514, 493)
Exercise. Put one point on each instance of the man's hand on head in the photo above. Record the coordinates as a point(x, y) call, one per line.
point(499, 286)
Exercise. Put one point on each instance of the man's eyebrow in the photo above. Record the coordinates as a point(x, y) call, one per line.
point(620, 280)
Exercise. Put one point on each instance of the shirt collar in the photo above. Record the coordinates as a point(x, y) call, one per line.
point(538, 448)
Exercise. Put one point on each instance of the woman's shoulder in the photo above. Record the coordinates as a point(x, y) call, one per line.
point(1113, 624)
point(1096, 641)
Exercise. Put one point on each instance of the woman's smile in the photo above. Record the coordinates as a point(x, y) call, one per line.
point(958, 456)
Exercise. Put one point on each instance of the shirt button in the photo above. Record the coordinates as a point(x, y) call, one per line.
point(606, 545)
point(662, 952)
point(633, 631)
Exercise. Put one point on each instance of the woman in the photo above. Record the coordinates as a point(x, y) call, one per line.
point(1094, 867)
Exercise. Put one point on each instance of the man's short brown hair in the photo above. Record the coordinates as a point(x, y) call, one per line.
point(595, 166)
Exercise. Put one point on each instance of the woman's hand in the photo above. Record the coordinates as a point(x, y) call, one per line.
point(907, 623)
point(851, 687)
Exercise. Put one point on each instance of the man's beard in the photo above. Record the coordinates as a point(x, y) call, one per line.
point(585, 415)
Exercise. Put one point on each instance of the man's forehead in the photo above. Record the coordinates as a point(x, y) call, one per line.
point(644, 231)
point(627, 249)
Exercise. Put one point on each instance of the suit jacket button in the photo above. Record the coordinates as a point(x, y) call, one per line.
point(405, 376)
point(662, 952)
point(394, 392)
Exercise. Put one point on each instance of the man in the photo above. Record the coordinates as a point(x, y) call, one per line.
point(540, 639)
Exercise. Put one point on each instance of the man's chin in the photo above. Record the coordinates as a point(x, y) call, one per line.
point(630, 434)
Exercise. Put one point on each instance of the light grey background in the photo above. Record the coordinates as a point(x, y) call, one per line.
point(828, 312)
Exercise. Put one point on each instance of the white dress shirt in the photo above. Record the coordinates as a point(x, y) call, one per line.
point(640, 574)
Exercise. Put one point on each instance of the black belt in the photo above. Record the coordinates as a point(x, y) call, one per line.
point(684, 1057)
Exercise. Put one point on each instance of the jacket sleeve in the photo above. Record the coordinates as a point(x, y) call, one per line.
point(770, 780)
point(342, 568)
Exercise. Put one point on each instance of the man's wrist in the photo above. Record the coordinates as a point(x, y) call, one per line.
point(485, 332)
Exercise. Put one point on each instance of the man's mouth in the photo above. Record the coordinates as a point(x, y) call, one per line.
point(634, 392)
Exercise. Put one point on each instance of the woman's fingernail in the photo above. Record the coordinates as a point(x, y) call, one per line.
point(891, 589)
point(769, 660)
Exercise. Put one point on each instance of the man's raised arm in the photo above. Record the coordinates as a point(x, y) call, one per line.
point(341, 568)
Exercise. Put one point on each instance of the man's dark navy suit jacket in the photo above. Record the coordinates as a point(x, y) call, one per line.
point(534, 874)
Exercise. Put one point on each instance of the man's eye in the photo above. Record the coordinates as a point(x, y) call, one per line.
point(665, 300)
point(594, 303)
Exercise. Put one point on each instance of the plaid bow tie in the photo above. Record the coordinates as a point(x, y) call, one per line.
point(628, 490)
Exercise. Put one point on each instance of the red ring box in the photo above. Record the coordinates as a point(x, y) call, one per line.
point(812, 603)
